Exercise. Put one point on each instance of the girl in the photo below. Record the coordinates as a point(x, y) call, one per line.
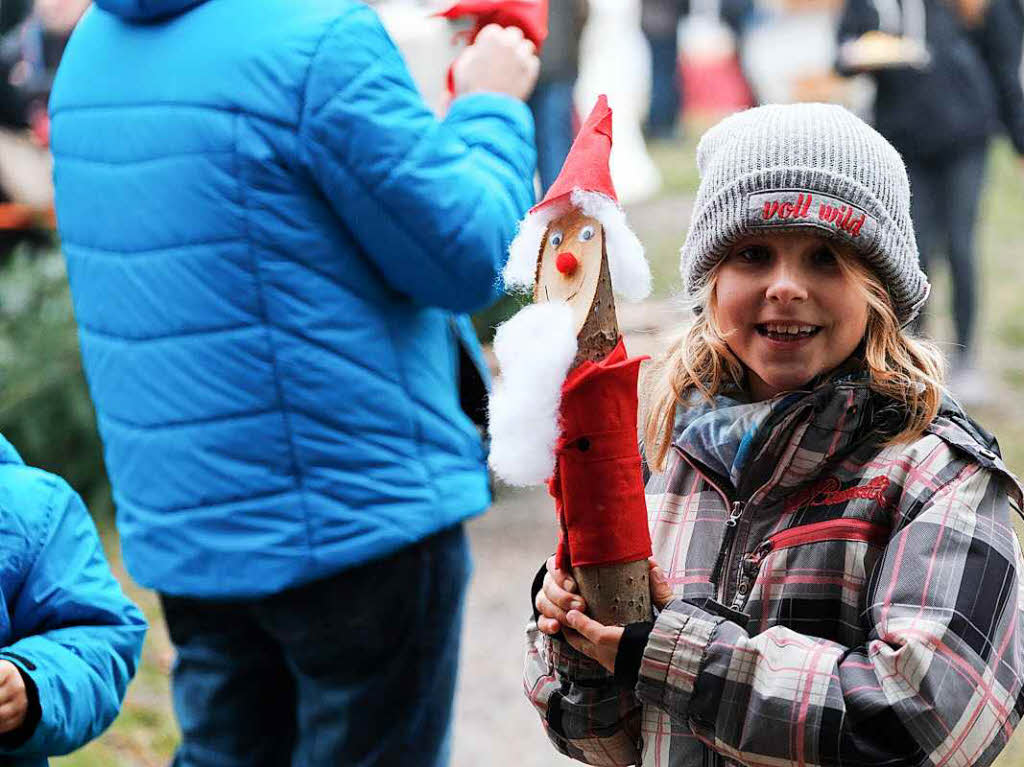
point(840, 581)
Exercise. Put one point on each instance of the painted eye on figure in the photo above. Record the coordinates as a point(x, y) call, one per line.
point(556, 238)
point(586, 234)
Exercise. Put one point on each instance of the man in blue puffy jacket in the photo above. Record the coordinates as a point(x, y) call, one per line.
point(69, 638)
point(272, 245)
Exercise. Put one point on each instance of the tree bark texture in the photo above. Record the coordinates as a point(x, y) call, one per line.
point(615, 594)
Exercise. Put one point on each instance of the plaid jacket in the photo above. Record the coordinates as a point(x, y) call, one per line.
point(837, 603)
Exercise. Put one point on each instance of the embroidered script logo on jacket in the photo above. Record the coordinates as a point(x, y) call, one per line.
point(828, 491)
point(795, 207)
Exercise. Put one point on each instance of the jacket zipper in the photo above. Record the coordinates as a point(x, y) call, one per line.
point(829, 530)
point(725, 552)
point(736, 509)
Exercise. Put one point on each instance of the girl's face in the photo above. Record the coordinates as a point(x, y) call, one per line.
point(787, 309)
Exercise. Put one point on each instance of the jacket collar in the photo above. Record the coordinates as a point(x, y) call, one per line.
point(771, 447)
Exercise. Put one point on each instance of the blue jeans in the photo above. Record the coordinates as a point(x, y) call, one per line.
point(944, 206)
point(666, 87)
point(551, 104)
point(355, 669)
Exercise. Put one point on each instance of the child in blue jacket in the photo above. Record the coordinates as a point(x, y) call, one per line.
point(69, 638)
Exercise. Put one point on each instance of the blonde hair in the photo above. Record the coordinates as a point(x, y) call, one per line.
point(900, 366)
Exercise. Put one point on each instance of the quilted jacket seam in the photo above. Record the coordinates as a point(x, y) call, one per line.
point(372, 190)
point(64, 157)
point(100, 250)
point(187, 422)
point(262, 302)
point(414, 417)
point(123, 497)
point(161, 105)
point(116, 337)
point(304, 91)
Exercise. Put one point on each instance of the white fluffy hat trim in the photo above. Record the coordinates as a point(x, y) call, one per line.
point(535, 349)
point(631, 275)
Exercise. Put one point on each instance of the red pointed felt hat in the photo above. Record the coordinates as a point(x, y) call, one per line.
point(531, 16)
point(585, 183)
point(586, 167)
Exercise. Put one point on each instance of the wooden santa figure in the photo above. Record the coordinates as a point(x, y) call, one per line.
point(565, 411)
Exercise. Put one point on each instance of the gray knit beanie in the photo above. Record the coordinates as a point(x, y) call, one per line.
point(788, 167)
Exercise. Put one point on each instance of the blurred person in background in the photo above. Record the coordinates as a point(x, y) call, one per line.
point(940, 115)
point(32, 42)
point(659, 20)
point(272, 244)
point(552, 99)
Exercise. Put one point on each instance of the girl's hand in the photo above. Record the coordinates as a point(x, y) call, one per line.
point(594, 639)
point(13, 697)
point(661, 591)
point(556, 597)
point(601, 642)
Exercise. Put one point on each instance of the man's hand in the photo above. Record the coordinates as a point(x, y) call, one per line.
point(501, 60)
point(13, 697)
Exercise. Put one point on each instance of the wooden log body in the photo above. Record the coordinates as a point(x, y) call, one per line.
point(615, 594)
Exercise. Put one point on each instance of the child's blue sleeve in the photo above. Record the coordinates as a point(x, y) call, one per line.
point(80, 636)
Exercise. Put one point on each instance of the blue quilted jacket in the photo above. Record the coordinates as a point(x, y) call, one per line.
point(271, 243)
point(64, 620)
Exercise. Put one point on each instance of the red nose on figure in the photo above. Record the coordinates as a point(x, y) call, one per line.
point(566, 263)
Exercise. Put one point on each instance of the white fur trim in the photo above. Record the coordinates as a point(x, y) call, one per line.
point(521, 267)
point(631, 275)
point(535, 349)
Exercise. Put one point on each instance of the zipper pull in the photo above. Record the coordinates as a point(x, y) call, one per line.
point(735, 514)
point(761, 551)
point(752, 561)
point(730, 533)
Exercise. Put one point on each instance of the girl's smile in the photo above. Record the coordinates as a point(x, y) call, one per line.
point(788, 309)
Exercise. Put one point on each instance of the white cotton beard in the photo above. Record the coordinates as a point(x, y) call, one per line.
point(535, 349)
point(521, 268)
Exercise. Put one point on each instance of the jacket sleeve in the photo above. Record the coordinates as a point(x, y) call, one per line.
point(585, 714)
point(1000, 40)
point(79, 635)
point(433, 204)
point(937, 681)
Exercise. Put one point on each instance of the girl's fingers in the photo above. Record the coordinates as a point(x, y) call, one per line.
point(548, 626)
point(547, 608)
point(558, 576)
point(587, 627)
point(661, 591)
point(566, 600)
point(580, 643)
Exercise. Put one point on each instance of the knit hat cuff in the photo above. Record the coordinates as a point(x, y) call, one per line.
point(798, 199)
